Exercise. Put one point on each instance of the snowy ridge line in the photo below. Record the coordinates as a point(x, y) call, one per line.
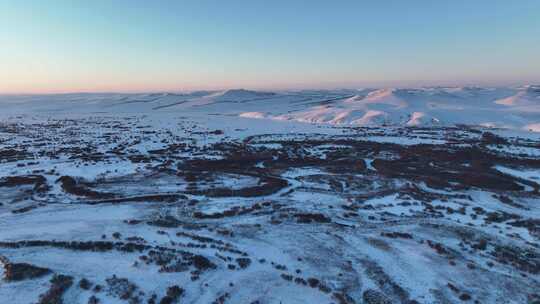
point(515, 108)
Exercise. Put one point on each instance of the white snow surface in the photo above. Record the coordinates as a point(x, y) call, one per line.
point(508, 107)
point(98, 140)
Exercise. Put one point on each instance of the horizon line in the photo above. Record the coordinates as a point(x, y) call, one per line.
point(176, 91)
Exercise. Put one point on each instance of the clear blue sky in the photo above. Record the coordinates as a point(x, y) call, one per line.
point(143, 45)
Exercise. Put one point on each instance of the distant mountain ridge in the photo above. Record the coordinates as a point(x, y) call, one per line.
point(505, 107)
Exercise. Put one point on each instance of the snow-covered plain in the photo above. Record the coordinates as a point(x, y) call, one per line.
point(346, 196)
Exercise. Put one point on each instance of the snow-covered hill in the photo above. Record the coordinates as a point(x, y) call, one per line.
point(500, 107)
point(512, 107)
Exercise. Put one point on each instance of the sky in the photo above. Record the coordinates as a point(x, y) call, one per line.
point(50, 46)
